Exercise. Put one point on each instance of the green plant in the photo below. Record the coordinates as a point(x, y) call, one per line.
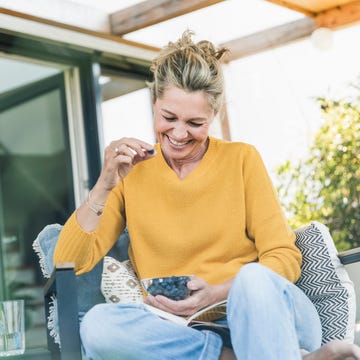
point(325, 186)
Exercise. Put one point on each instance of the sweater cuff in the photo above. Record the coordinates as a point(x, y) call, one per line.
point(74, 243)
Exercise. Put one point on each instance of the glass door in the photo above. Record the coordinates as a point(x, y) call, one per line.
point(36, 180)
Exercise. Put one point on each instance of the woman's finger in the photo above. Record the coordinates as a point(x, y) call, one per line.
point(196, 284)
point(138, 146)
point(124, 150)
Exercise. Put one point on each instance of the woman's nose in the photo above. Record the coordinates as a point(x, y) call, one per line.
point(180, 131)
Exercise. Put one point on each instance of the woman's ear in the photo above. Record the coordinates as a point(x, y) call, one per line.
point(153, 99)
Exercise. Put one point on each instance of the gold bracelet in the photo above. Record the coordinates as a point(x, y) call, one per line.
point(96, 211)
point(89, 199)
point(90, 204)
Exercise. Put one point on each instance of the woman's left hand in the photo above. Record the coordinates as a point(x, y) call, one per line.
point(202, 295)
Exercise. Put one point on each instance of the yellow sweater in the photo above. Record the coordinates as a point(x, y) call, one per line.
point(224, 214)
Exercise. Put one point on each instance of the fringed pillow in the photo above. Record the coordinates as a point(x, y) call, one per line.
point(88, 284)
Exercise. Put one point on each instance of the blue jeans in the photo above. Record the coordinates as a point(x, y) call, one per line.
point(269, 318)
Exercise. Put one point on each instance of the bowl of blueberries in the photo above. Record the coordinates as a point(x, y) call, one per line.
point(173, 287)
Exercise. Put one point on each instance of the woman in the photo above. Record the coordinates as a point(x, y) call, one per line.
point(195, 205)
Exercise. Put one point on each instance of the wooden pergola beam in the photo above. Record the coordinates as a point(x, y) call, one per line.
point(339, 16)
point(225, 123)
point(270, 38)
point(151, 12)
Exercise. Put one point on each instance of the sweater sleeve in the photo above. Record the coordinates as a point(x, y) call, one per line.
point(265, 222)
point(84, 248)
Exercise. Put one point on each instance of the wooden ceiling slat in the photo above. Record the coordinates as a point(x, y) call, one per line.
point(312, 6)
point(151, 12)
point(339, 16)
point(290, 5)
point(269, 38)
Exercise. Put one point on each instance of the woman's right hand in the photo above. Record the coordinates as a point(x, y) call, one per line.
point(120, 157)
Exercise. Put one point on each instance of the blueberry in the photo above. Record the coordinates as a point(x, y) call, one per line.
point(173, 287)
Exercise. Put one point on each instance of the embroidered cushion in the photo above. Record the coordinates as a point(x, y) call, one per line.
point(326, 282)
point(119, 282)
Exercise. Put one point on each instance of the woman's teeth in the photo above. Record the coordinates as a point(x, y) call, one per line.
point(176, 143)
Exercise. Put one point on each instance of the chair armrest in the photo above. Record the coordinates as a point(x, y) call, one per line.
point(350, 256)
point(62, 284)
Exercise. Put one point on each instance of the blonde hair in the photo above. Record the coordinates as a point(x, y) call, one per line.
point(191, 67)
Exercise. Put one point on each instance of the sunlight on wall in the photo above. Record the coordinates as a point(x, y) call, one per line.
point(128, 116)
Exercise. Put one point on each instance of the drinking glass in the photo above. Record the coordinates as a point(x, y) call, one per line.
point(12, 330)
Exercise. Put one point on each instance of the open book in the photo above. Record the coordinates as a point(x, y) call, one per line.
point(204, 316)
point(201, 320)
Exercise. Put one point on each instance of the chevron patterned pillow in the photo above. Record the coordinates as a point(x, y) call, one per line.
point(326, 282)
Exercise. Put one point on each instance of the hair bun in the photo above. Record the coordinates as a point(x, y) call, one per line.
point(190, 66)
point(210, 51)
point(203, 47)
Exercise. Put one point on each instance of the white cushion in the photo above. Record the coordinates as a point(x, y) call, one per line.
point(326, 282)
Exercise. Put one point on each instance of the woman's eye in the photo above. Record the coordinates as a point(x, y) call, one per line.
point(194, 124)
point(169, 118)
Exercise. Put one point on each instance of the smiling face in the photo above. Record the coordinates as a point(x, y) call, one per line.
point(181, 125)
